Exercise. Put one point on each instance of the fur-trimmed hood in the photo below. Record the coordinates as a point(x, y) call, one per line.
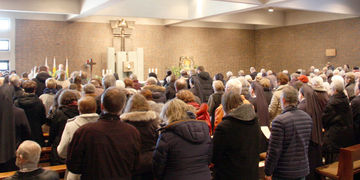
point(154, 88)
point(139, 116)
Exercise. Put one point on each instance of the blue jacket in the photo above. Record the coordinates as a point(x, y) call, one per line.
point(287, 155)
point(183, 151)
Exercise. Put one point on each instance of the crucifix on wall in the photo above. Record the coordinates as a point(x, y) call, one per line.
point(122, 30)
point(91, 63)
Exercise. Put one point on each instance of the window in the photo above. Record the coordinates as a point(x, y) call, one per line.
point(4, 45)
point(4, 24)
point(4, 65)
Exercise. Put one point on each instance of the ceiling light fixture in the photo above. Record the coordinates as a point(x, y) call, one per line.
point(271, 10)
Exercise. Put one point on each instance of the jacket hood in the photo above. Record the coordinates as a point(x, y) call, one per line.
point(69, 110)
point(42, 76)
point(138, 116)
point(204, 75)
point(245, 112)
point(27, 100)
point(84, 119)
point(194, 131)
point(155, 88)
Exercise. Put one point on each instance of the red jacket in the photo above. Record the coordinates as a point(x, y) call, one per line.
point(202, 113)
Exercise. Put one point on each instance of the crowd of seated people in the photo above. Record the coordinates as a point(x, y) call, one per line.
point(189, 126)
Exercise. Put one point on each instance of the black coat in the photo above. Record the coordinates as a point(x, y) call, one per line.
point(183, 151)
point(7, 129)
point(355, 107)
point(23, 131)
point(40, 82)
point(38, 174)
point(268, 95)
point(338, 124)
point(106, 149)
point(236, 145)
point(35, 113)
point(213, 103)
point(57, 125)
point(147, 123)
point(170, 91)
point(205, 86)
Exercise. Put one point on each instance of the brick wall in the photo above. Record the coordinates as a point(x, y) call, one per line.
point(301, 46)
point(219, 50)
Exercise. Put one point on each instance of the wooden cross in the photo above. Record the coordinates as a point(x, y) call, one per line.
point(91, 63)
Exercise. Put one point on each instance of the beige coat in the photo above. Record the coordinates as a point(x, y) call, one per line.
point(71, 126)
point(275, 105)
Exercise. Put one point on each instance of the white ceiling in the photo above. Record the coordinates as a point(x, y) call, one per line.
point(239, 14)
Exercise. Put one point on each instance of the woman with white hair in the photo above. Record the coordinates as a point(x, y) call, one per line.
point(183, 148)
point(337, 122)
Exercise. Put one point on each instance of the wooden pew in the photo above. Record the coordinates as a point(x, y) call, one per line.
point(45, 154)
point(346, 167)
point(58, 168)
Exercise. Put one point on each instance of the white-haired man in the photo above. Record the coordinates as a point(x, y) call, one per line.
point(27, 159)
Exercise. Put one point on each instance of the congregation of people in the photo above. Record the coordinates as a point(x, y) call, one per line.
point(190, 126)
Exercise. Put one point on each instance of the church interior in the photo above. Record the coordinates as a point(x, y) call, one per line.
point(60, 61)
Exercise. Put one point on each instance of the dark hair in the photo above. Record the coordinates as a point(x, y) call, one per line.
point(24, 75)
point(200, 68)
point(152, 74)
point(219, 77)
point(113, 99)
point(168, 73)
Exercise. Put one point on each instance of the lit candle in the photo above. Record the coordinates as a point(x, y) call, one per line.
point(149, 70)
point(103, 72)
point(107, 71)
point(155, 70)
point(152, 69)
point(110, 71)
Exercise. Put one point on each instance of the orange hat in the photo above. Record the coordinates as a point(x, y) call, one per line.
point(303, 79)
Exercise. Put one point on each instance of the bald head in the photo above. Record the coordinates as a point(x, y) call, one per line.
point(28, 153)
point(113, 100)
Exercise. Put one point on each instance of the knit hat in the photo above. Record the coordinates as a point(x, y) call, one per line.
point(303, 79)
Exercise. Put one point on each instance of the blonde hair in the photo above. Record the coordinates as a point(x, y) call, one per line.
point(50, 83)
point(265, 82)
point(176, 110)
point(218, 86)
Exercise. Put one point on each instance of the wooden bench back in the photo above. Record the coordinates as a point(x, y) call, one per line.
point(346, 162)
